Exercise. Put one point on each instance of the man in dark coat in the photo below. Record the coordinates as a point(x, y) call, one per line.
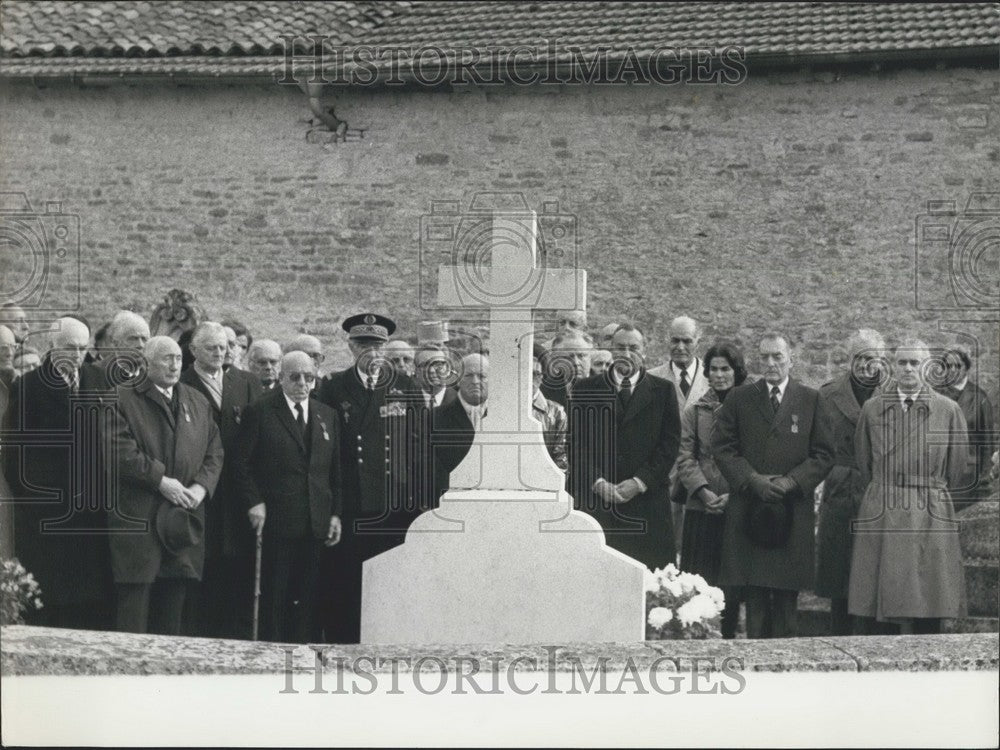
point(169, 457)
point(844, 487)
point(221, 609)
point(123, 362)
point(286, 468)
point(625, 429)
point(772, 445)
point(454, 425)
point(432, 372)
point(374, 404)
point(566, 363)
point(53, 468)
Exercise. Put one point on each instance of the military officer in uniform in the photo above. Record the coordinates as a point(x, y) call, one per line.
point(374, 403)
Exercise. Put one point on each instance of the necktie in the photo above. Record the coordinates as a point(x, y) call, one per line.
point(73, 381)
point(685, 385)
point(214, 388)
point(775, 403)
point(300, 417)
point(370, 383)
point(907, 403)
point(625, 393)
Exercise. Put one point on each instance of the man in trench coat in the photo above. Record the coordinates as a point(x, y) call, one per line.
point(169, 456)
point(772, 445)
point(842, 399)
point(911, 444)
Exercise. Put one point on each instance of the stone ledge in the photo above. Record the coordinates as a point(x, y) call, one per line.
point(26, 650)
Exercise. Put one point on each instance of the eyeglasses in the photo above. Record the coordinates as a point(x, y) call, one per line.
point(954, 365)
point(910, 362)
point(262, 362)
point(301, 377)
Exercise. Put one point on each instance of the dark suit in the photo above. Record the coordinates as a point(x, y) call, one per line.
point(53, 467)
point(378, 432)
point(297, 477)
point(749, 437)
point(423, 484)
point(640, 440)
point(452, 437)
point(152, 439)
point(221, 609)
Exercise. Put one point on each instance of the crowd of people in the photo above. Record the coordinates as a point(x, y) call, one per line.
point(211, 483)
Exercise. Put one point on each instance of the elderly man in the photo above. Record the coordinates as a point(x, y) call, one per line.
point(571, 321)
point(431, 370)
point(600, 361)
point(772, 444)
point(455, 425)
point(220, 610)
point(26, 359)
point(625, 432)
point(287, 467)
point(399, 353)
point(684, 369)
point(12, 316)
point(128, 334)
point(169, 457)
point(241, 343)
point(843, 399)
point(264, 361)
point(566, 363)
point(312, 346)
point(910, 444)
point(375, 408)
point(59, 520)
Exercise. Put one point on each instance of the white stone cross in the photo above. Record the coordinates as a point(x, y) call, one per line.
point(509, 451)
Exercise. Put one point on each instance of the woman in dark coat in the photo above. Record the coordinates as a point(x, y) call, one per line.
point(707, 490)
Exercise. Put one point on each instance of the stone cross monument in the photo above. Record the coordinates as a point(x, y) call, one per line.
point(505, 558)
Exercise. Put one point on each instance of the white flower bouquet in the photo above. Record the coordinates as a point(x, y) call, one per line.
point(20, 592)
point(681, 605)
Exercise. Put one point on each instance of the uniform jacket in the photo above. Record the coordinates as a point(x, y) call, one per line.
point(639, 441)
point(376, 431)
point(227, 528)
point(906, 560)
point(150, 442)
point(298, 482)
point(68, 556)
point(749, 437)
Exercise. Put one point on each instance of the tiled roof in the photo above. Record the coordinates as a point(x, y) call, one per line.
point(211, 37)
point(101, 28)
point(761, 28)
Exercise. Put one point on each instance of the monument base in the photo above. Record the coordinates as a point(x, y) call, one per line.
point(493, 566)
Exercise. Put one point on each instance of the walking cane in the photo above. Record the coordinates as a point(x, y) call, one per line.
point(256, 583)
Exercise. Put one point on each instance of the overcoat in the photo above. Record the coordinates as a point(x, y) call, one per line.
point(639, 440)
point(906, 560)
point(150, 440)
point(978, 412)
point(747, 437)
point(59, 521)
point(299, 483)
point(842, 490)
point(696, 468)
point(227, 529)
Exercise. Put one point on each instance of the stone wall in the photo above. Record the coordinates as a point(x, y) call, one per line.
point(789, 201)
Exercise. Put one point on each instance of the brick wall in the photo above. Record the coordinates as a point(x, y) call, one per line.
point(787, 202)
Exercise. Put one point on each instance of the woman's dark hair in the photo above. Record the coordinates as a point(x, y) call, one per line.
point(963, 354)
point(732, 354)
point(240, 330)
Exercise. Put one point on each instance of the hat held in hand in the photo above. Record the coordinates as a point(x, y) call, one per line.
point(178, 528)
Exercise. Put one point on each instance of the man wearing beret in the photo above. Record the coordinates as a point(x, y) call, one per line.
point(772, 443)
point(375, 405)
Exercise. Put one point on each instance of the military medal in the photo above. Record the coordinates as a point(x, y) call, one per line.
point(326, 435)
point(345, 408)
point(795, 423)
point(236, 414)
point(187, 414)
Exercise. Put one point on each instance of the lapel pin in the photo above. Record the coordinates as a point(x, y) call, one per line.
point(326, 435)
point(187, 414)
point(795, 423)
